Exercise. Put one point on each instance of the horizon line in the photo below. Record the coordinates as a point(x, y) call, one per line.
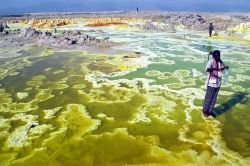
point(117, 11)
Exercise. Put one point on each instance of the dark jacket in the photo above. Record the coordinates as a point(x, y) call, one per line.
point(1, 28)
point(211, 27)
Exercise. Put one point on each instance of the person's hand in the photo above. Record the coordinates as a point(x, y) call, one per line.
point(226, 67)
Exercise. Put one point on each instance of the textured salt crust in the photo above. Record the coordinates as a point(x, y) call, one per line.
point(238, 70)
point(238, 88)
point(44, 95)
point(231, 79)
point(185, 110)
point(58, 72)
point(188, 82)
point(54, 134)
point(84, 114)
point(110, 118)
point(194, 60)
point(243, 121)
point(140, 64)
point(227, 85)
point(166, 73)
point(222, 152)
point(64, 80)
point(226, 93)
point(22, 95)
point(164, 61)
point(188, 110)
point(19, 137)
point(48, 52)
point(196, 73)
point(140, 117)
point(5, 126)
point(96, 95)
point(183, 137)
point(2, 121)
point(162, 77)
point(203, 78)
point(8, 72)
point(216, 146)
point(34, 83)
point(192, 92)
point(79, 86)
point(47, 69)
point(5, 97)
point(49, 114)
point(175, 85)
point(81, 92)
point(241, 106)
point(102, 116)
point(37, 131)
point(168, 105)
point(20, 107)
point(39, 78)
point(179, 74)
point(164, 118)
point(153, 73)
point(248, 90)
point(58, 86)
point(220, 148)
point(164, 106)
point(24, 61)
point(94, 79)
point(12, 70)
point(241, 77)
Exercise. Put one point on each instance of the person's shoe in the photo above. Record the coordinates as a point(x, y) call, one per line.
point(213, 114)
point(205, 115)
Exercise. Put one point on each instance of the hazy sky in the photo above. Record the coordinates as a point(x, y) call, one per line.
point(24, 6)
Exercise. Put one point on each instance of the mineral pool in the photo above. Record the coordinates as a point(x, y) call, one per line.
point(73, 107)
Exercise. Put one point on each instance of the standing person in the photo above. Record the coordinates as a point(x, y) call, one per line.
point(214, 68)
point(210, 28)
point(1, 27)
point(137, 9)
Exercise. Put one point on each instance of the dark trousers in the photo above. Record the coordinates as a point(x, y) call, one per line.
point(210, 33)
point(210, 100)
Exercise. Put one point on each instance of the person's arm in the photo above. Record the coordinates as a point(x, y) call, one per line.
point(211, 69)
point(209, 66)
point(217, 69)
point(225, 67)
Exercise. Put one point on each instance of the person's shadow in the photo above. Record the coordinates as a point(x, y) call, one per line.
point(236, 98)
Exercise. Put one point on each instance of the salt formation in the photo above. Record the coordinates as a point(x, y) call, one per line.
point(67, 97)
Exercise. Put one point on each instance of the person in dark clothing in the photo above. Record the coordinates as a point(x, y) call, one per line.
point(210, 28)
point(214, 69)
point(1, 27)
point(137, 9)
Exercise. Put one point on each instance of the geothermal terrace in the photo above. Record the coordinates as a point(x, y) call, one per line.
point(122, 88)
